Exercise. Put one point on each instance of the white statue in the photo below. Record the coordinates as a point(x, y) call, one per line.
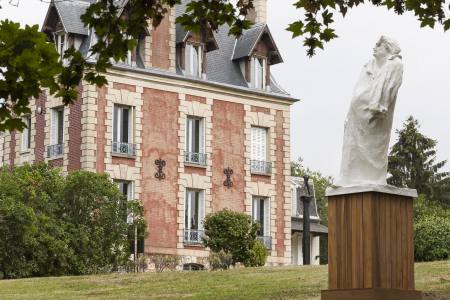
point(369, 120)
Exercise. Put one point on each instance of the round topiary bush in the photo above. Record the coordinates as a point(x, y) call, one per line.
point(432, 238)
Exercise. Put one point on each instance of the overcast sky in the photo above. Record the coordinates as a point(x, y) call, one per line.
point(325, 82)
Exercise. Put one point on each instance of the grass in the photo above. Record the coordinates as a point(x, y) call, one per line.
point(251, 283)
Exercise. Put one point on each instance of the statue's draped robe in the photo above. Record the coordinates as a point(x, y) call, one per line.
point(366, 136)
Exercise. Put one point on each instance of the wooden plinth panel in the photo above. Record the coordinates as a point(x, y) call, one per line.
point(370, 241)
point(371, 294)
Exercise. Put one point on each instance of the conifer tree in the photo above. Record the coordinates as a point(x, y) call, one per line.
point(412, 161)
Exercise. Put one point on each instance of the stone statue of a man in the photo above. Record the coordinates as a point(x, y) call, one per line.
point(369, 120)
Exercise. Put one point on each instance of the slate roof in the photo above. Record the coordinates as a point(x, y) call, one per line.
point(70, 13)
point(248, 40)
point(314, 227)
point(221, 69)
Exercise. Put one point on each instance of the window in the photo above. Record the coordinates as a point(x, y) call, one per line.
point(123, 130)
point(258, 72)
point(193, 60)
point(194, 207)
point(126, 188)
point(56, 132)
point(26, 134)
point(261, 214)
point(258, 161)
point(61, 43)
point(195, 152)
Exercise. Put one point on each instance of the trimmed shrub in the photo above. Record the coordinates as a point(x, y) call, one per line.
point(233, 232)
point(432, 238)
point(258, 255)
point(220, 260)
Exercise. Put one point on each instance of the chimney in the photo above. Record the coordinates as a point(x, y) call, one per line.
point(258, 14)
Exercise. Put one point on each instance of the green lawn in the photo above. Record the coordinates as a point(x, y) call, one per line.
point(251, 283)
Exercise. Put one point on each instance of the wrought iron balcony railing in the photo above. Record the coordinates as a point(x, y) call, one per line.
point(55, 150)
point(193, 236)
point(266, 241)
point(195, 158)
point(124, 148)
point(259, 166)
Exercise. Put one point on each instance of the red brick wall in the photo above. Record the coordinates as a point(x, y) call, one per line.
point(261, 178)
point(12, 147)
point(280, 179)
point(59, 162)
point(161, 45)
point(101, 129)
point(195, 170)
point(39, 138)
point(228, 151)
point(123, 161)
point(75, 133)
point(260, 109)
point(160, 140)
point(196, 98)
point(123, 86)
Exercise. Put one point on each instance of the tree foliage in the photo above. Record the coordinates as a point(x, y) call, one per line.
point(117, 33)
point(412, 163)
point(54, 225)
point(432, 238)
point(232, 232)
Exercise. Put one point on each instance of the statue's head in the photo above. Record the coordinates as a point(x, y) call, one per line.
point(386, 47)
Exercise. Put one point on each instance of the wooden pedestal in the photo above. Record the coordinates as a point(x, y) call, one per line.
point(370, 246)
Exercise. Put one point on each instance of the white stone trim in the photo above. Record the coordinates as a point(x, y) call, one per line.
point(124, 172)
point(193, 108)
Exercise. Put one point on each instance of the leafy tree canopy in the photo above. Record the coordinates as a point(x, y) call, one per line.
point(119, 24)
point(53, 225)
point(412, 163)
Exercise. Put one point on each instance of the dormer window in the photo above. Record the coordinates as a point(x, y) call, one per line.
point(61, 43)
point(258, 72)
point(193, 60)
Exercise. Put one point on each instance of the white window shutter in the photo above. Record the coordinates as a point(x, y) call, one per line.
point(252, 72)
point(202, 136)
point(54, 127)
point(254, 209)
point(259, 143)
point(115, 123)
point(201, 209)
point(130, 125)
point(187, 210)
point(188, 59)
point(189, 130)
point(267, 217)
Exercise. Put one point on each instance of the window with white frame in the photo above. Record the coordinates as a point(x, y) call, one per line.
point(26, 134)
point(123, 130)
point(258, 72)
point(56, 132)
point(194, 211)
point(126, 188)
point(193, 60)
point(261, 214)
point(195, 141)
point(61, 42)
point(258, 160)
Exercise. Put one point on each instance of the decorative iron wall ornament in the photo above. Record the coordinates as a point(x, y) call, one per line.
point(160, 163)
point(228, 172)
